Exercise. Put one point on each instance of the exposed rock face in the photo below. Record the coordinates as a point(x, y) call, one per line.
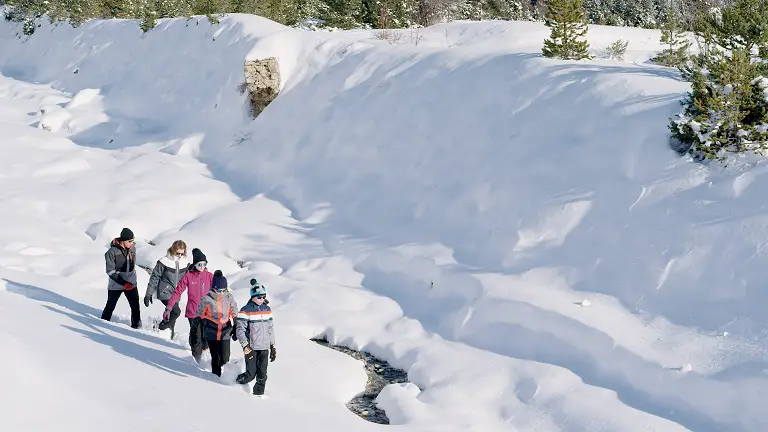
point(262, 81)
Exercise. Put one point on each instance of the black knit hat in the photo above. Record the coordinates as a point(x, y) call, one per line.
point(219, 281)
point(125, 235)
point(198, 256)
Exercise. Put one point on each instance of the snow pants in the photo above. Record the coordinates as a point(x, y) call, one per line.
point(196, 342)
point(175, 314)
point(256, 363)
point(133, 300)
point(219, 354)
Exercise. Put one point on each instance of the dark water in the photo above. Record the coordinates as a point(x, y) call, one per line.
point(380, 374)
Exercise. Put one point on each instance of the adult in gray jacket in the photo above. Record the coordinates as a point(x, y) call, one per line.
point(120, 261)
point(167, 273)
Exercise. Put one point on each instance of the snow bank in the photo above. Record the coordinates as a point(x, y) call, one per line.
point(447, 205)
point(64, 368)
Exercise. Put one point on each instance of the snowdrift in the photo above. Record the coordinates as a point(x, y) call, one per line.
point(476, 192)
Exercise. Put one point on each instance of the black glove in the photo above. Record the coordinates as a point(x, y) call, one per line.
point(147, 300)
point(233, 332)
point(272, 353)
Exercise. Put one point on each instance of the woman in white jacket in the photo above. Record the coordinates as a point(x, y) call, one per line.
point(167, 273)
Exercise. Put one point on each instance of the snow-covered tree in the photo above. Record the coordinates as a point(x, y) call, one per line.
point(567, 23)
point(727, 108)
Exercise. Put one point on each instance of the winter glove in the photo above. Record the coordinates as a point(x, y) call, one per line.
point(233, 332)
point(247, 350)
point(147, 300)
point(272, 353)
point(167, 315)
point(128, 286)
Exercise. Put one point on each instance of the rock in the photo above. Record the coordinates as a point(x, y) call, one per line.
point(262, 81)
point(679, 146)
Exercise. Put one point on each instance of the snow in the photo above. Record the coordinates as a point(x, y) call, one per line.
point(512, 231)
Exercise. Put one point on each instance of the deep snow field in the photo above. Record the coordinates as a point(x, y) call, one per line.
point(512, 231)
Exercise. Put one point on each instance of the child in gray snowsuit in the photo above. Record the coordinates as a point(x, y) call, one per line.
point(216, 309)
point(256, 334)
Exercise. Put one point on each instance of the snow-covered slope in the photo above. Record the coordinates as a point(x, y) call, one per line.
point(447, 202)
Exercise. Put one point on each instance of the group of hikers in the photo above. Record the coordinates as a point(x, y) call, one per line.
point(211, 309)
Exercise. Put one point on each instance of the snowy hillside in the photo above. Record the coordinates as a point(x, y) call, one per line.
point(511, 230)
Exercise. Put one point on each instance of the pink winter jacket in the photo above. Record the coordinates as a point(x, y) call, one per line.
point(197, 284)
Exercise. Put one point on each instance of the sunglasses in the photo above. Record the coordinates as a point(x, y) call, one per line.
point(201, 264)
point(180, 253)
point(260, 296)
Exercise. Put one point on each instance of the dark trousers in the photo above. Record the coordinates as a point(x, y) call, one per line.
point(256, 363)
point(133, 300)
point(196, 342)
point(219, 354)
point(175, 314)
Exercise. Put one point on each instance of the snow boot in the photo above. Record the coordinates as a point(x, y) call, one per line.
point(163, 325)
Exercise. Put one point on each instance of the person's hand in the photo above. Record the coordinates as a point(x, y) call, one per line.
point(272, 353)
point(167, 315)
point(147, 300)
point(247, 350)
point(128, 286)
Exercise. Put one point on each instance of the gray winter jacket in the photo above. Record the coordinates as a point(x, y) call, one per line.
point(121, 266)
point(217, 309)
point(166, 275)
point(255, 327)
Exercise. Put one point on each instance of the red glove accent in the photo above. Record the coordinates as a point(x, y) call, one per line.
point(128, 286)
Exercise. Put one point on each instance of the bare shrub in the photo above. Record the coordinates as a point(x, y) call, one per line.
point(389, 35)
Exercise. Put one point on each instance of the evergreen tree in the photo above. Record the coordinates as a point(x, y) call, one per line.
point(727, 108)
point(676, 44)
point(147, 20)
point(509, 9)
point(473, 10)
point(336, 13)
point(281, 11)
point(567, 22)
point(205, 7)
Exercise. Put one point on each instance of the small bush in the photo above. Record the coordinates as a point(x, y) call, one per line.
point(616, 50)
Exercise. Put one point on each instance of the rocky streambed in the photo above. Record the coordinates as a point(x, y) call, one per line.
point(380, 374)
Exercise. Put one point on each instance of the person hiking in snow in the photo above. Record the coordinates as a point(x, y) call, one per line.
point(121, 269)
point(217, 309)
point(165, 277)
point(256, 334)
point(196, 282)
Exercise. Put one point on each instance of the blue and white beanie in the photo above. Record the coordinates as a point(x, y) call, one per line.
point(257, 288)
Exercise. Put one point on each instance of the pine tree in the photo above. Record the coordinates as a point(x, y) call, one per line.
point(727, 108)
point(567, 22)
point(147, 20)
point(677, 45)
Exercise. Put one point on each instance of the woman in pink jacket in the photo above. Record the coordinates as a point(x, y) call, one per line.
point(196, 282)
